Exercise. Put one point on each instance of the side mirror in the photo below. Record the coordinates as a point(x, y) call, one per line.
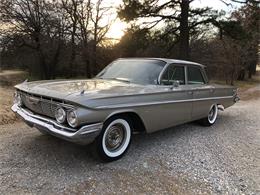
point(175, 84)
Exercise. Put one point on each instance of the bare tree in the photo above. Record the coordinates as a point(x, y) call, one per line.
point(84, 14)
point(71, 8)
point(99, 31)
point(177, 14)
point(39, 26)
point(93, 29)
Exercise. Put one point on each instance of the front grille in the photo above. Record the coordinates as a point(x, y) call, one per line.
point(40, 105)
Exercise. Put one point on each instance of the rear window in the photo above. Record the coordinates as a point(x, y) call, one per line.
point(173, 73)
point(195, 76)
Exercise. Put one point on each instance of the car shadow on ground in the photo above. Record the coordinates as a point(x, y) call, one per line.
point(54, 150)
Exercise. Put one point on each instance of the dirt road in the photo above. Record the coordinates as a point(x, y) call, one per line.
point(188, 159)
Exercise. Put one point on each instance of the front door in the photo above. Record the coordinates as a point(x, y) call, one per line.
point(179, 110)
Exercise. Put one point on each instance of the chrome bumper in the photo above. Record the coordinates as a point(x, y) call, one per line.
point(236, 99)
point(84, 135)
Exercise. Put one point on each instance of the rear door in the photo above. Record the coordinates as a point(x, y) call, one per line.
point(201, 91)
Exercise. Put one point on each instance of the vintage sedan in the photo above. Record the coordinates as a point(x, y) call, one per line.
point(131, 95)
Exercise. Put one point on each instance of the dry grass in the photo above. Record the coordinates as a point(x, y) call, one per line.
point(12, 77)
point(6, 100)
point(246, 88)
point(8, 78)
point(242, 85)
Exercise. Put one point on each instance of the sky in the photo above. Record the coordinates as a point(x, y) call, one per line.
point(118, 27)
point(216, 4)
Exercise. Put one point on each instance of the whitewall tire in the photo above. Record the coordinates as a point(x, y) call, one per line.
point(212, 116)
point(115, 138)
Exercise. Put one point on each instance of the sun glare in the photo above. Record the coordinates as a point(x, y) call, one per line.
point(116, 30)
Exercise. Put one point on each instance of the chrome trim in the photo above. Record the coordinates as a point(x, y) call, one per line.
point(236, 99)
point(84, 135)
point(64, 115)
point(161, 73)
point(161, 102)
point(204, 74)
point(33, 100)
point(174, 64)
point(16, 108)
point(221, 107)
point(202, 71)
point(186, 75)
point(42, 99)
point(77, 120)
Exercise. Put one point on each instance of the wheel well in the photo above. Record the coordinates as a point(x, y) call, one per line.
point(137, 122)
point(221, 107)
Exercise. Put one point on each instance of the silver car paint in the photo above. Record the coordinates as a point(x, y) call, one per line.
point(158, 106)
point(152, 103)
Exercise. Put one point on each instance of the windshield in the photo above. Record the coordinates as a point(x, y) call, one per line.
point(140, 71)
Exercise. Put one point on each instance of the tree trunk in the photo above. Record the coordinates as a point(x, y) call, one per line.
point(251, 70)
point(94, 60)
point(43, 67)
point(94, 48)
point(241, 76)
point(73, 51)
point(88, 69)
point(55, 61)
point(42, 61)
point(86, 57)
point(249, 74)
point(184, 30)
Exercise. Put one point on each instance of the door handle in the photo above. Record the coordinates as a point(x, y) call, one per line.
point(212, 90)
point(190, 92)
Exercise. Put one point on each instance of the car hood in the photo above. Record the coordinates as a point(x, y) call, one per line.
point(84, 92)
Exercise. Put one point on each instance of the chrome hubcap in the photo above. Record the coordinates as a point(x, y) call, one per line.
point(212, 114)
point(114, 137)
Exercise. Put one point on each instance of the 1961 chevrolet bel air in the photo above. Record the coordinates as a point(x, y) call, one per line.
point(130, 95)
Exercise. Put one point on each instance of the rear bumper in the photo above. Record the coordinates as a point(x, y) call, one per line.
point(236, 99)
point(83, 136)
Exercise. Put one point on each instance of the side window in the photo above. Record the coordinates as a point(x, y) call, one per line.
point(195, 76)
point(173, 73)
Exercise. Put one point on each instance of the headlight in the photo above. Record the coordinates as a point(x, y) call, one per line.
point(72, 118)
point(60, 115)
point(17, 99)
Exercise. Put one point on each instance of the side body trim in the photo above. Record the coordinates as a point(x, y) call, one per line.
point(160, 102)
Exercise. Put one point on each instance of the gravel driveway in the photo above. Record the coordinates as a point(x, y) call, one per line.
point(188, 159)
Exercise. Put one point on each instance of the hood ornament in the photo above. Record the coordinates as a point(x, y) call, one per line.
point(25, 81)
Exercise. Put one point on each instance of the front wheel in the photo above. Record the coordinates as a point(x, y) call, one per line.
point(115, 138)
point(212, 116)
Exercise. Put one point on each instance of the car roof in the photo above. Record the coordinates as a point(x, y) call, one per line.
point(167, 60)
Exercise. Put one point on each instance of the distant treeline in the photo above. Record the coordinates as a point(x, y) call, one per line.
point(68, 38)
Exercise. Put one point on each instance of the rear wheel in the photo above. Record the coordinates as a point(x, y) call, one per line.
point(212, 116)
point(115, 138)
